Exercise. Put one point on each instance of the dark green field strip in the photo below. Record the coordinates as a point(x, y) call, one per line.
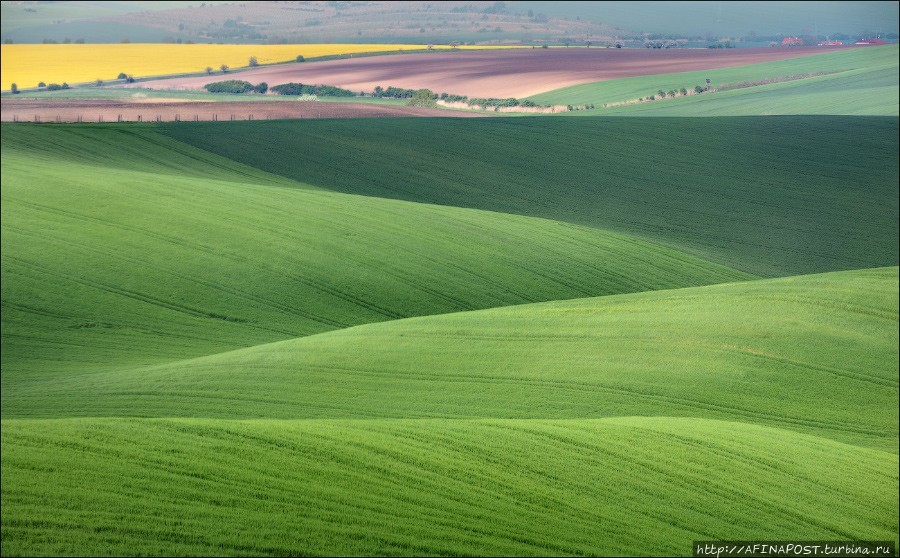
point(107, 266)
point(813, 354)
point(859, 81)
point(127, 147)
point(643, 486)
point(770, 196)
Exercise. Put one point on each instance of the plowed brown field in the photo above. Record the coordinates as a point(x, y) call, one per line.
point(127, 111)
point(501, 73)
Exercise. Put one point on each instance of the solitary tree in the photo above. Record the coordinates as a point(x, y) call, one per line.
point(422, 98)
point(121, 75)
point(42, 84)
point(300, 58)
point(224, 68)
point(14, 89)
point(253, 62)
point(99, 82)
point(209, 70)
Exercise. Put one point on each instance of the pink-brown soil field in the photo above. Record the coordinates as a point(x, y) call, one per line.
point(498, 73)
point(127, 111)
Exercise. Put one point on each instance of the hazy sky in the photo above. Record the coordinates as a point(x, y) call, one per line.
point(732, 18)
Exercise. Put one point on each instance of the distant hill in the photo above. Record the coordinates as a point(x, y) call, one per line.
point(297, 22)
point(730, 18)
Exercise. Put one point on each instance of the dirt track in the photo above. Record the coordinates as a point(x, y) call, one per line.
point(499, 73)
point(112, 111)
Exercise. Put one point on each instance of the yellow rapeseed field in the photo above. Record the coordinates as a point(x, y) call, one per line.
point(28, 65)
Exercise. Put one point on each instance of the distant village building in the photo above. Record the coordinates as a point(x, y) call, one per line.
point(869, 42)
point(792, 41)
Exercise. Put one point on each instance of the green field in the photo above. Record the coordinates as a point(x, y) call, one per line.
point(642, 486)
point(768, 196)
point(825, 343)
point(121, 245)
point(511, 336)
point(428, 447)
point(859, 81)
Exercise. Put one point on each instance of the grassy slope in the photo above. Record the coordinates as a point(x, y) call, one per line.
point(856, 92)
point(638, 486)
point(121, 245)
point(866, 84)
point(124, 247)
point(785, 195)
point(816, 354)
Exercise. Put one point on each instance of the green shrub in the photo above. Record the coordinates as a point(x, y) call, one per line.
point(301, 89)
point(422, 98)
point(229, 86)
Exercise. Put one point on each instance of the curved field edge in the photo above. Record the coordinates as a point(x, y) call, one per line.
point(643, 486)
point(856, 92)
point(814, 354)
point(844, 62)
point(28, 64)
point(124, 247)
point(771, 196)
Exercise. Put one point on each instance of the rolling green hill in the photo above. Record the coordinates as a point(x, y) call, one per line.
point(825, 344)
point(444, 434)
point(768, 196)
point(213, 345)
point(859, 81)
point(122, 246)
point(856, 92)
point(641, 486)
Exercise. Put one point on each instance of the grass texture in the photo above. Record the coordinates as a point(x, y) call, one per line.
point(212, 345)
point(815, 354)
point(768, 196)
point(642, 486)
point(122, 245)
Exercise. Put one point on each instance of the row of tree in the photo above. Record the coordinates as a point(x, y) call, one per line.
point(236, 86)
